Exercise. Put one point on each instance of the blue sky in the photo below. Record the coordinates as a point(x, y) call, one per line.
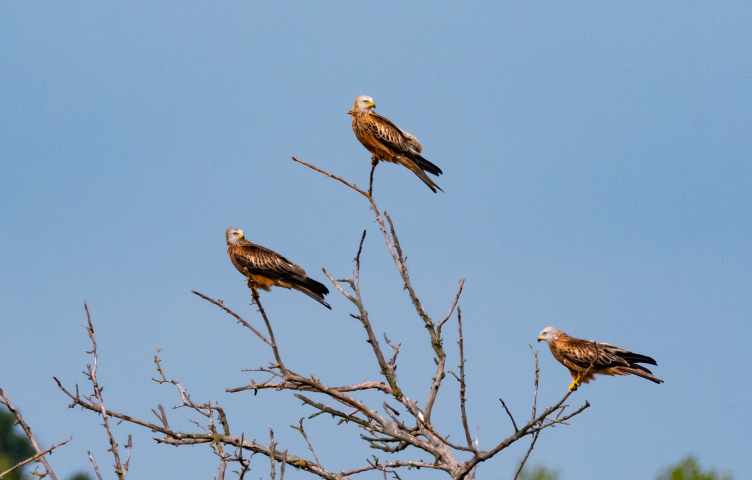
point(597, 178)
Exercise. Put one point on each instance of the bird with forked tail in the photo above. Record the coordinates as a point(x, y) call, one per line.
point(388, 142)
point(267, 269)
point(578, 355)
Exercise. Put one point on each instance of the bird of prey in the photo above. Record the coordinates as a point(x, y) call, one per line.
point(577, 355)
point(388, 142)
point(269, 269)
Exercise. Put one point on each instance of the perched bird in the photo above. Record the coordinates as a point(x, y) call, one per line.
point(269, 269)
point(388, 142)
point(577, 355)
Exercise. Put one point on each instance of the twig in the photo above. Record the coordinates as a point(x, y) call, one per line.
point(92, 374)
point(302, 432)
point(441, 362)
point(272, 342)
point(451, 309)
point(537, 376)
point(332, 176)
point(221, 305)
point(34, 458)
point(462, 381)
point(532, 444)
point(6, 401)
point(386, 369)
point(272, 458)
point(96, 469)
point(509, 413)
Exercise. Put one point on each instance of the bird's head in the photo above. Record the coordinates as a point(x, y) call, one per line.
point(548, 334)
point(364, 103)
point(234, 235)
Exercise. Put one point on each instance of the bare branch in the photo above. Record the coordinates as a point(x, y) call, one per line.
point(272, 459)
point(396, 464)
point(34, 458)
point(537, 376)
point(522, 464)
point(96, 469)
point(221, 305)
point(451, 309)
point(291, 385)
point(272, 342)
point(92, 374)
point(302, 432)
point(6, 401)
point(332, 176)
point(386, 369)
point(509, 413)
point(441, 362)
point(462, 381)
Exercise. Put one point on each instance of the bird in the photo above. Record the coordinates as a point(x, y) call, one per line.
point(577, 355)
point(267, 269)
point(388, 142)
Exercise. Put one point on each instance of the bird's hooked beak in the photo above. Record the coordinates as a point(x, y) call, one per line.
point(240, 236)
point(371, 104)
point(540, 338)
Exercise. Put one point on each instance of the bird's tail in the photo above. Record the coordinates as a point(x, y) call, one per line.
point(636, 358)
point(417, 170)
point(642, 372)
point(427, 166)
point(313, 289)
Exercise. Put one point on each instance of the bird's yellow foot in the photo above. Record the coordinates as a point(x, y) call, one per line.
point(573, 387)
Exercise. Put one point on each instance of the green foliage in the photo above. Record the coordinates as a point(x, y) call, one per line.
point(80, 476)
point(539, 472)
point(689, 469)
point(14, 448)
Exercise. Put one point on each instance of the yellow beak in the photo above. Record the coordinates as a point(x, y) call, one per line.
point(241, 236)
point(370, 104)
point(540, 338)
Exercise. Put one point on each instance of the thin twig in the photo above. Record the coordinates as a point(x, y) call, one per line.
point(6, 401)
point(302, 432)
point(332, 176)
point(441, 361)
point(272, 458)
point(454, 304)
point(96, 469)
point(272, 342)
point(509, 413)
point(522, 464)
point(462, 381)
point(92, 374)
point(221, 305)
point(537, 376)
point(34, 458)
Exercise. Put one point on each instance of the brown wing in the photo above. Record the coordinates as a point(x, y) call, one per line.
point(262, 261)
point(390, 135)
point(578, 354)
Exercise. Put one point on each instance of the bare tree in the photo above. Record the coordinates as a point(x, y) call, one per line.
point(383, 429)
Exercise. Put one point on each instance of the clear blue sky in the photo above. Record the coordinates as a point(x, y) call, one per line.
point(597, 178)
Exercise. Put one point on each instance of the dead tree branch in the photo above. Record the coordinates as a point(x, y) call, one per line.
point(27, 430)
point(34, 458)
point(91, 373)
